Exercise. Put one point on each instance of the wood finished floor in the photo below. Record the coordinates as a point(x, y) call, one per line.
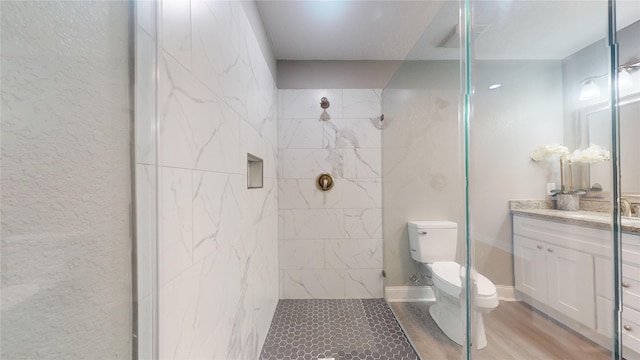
point(514, 331)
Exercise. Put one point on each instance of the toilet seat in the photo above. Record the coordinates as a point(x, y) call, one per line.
point(447, 277)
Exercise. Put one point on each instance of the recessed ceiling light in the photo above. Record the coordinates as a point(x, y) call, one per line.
point(495, 86)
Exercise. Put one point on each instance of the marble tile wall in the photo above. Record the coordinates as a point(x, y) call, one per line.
point(218, 247)
point(330, 242)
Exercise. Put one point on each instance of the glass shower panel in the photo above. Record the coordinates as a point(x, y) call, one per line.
point(422, 181)
point(628, 81)
point(541, 203)
point(146, 178)
point(66, 180)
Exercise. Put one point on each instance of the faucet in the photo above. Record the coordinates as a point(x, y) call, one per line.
point(625, 207)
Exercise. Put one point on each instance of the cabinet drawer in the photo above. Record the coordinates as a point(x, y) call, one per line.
point(631, 286)
point(630, 329)
point(588, 240)
point(631, 249)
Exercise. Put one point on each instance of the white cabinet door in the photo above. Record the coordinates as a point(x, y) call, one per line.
point(571, 287)
point(604, 316)
point(530, 267)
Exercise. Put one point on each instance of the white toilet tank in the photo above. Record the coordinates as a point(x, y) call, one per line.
point(432, 241)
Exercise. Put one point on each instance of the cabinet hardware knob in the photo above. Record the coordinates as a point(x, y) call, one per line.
point(627, 327)
point(539, 246)
point(550, 250)
point(625, 285)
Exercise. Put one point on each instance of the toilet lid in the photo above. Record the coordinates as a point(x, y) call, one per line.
point(448, 275)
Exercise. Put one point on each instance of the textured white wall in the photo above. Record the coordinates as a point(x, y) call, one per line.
point(66, 267)
point(330, 242)
point(218, 257)
point(422, 174)
point(507, 125)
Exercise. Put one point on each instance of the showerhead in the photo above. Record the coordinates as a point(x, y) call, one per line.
point(324, 103)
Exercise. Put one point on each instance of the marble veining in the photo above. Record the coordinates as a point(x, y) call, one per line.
point(314, 284)
point(351, 133)
point(216, 103)
point(361, 103)
point(332, 236)
point(364, 283)
point(363, 163)
point(176, 222)
point(197, 130)
point(363, 223)
point(297, 254)
point(353, 254)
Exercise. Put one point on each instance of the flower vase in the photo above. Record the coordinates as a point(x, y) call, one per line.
point(569, 202)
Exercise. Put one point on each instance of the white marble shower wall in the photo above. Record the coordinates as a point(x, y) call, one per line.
point(330, 242)
point(217, 239)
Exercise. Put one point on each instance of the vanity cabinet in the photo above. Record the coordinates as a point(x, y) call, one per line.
point(631, 296)
point(554, 264)
point(556, 276)
point(568, 269)
point(530, 267)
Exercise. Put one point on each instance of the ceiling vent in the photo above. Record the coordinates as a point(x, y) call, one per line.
point(452, 39)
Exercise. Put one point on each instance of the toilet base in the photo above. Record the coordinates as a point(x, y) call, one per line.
point(448, 315)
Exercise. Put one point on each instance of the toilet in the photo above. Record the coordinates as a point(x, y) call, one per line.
point(433, 244)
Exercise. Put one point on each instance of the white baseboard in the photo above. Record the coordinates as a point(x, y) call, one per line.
point(425, 293)
point(409, 293)
point(507, 293)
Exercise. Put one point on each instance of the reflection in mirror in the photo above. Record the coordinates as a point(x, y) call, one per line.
point(598, 122)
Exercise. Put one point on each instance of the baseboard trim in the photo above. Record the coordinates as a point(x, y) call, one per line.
point(425, 293)
point(409, 293)
point(507, 293)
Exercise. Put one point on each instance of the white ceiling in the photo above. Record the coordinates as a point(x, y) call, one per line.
point(417, 30)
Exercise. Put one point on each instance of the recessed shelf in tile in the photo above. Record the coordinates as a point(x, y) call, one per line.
point(254, 172)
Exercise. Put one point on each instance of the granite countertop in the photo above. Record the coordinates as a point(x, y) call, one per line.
point(543, 209)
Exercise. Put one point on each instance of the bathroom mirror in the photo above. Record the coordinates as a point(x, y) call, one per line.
point(598, 125)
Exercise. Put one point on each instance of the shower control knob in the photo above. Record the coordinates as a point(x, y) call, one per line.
point(324, 182)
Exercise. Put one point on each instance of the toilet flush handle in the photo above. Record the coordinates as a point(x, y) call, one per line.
point(422, 232)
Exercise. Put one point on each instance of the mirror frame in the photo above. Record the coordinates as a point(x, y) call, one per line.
point(583, 134)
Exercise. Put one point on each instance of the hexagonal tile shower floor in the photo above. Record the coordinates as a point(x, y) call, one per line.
point(339, 329)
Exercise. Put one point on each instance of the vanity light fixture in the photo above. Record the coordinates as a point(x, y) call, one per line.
point(624, 79)
point(495, 86)
point(591, 90)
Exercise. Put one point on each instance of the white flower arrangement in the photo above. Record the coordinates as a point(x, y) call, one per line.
point(554, 152)
point(546, 152)
point(590, 155)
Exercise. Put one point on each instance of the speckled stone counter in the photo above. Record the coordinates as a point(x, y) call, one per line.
point(544, 209)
